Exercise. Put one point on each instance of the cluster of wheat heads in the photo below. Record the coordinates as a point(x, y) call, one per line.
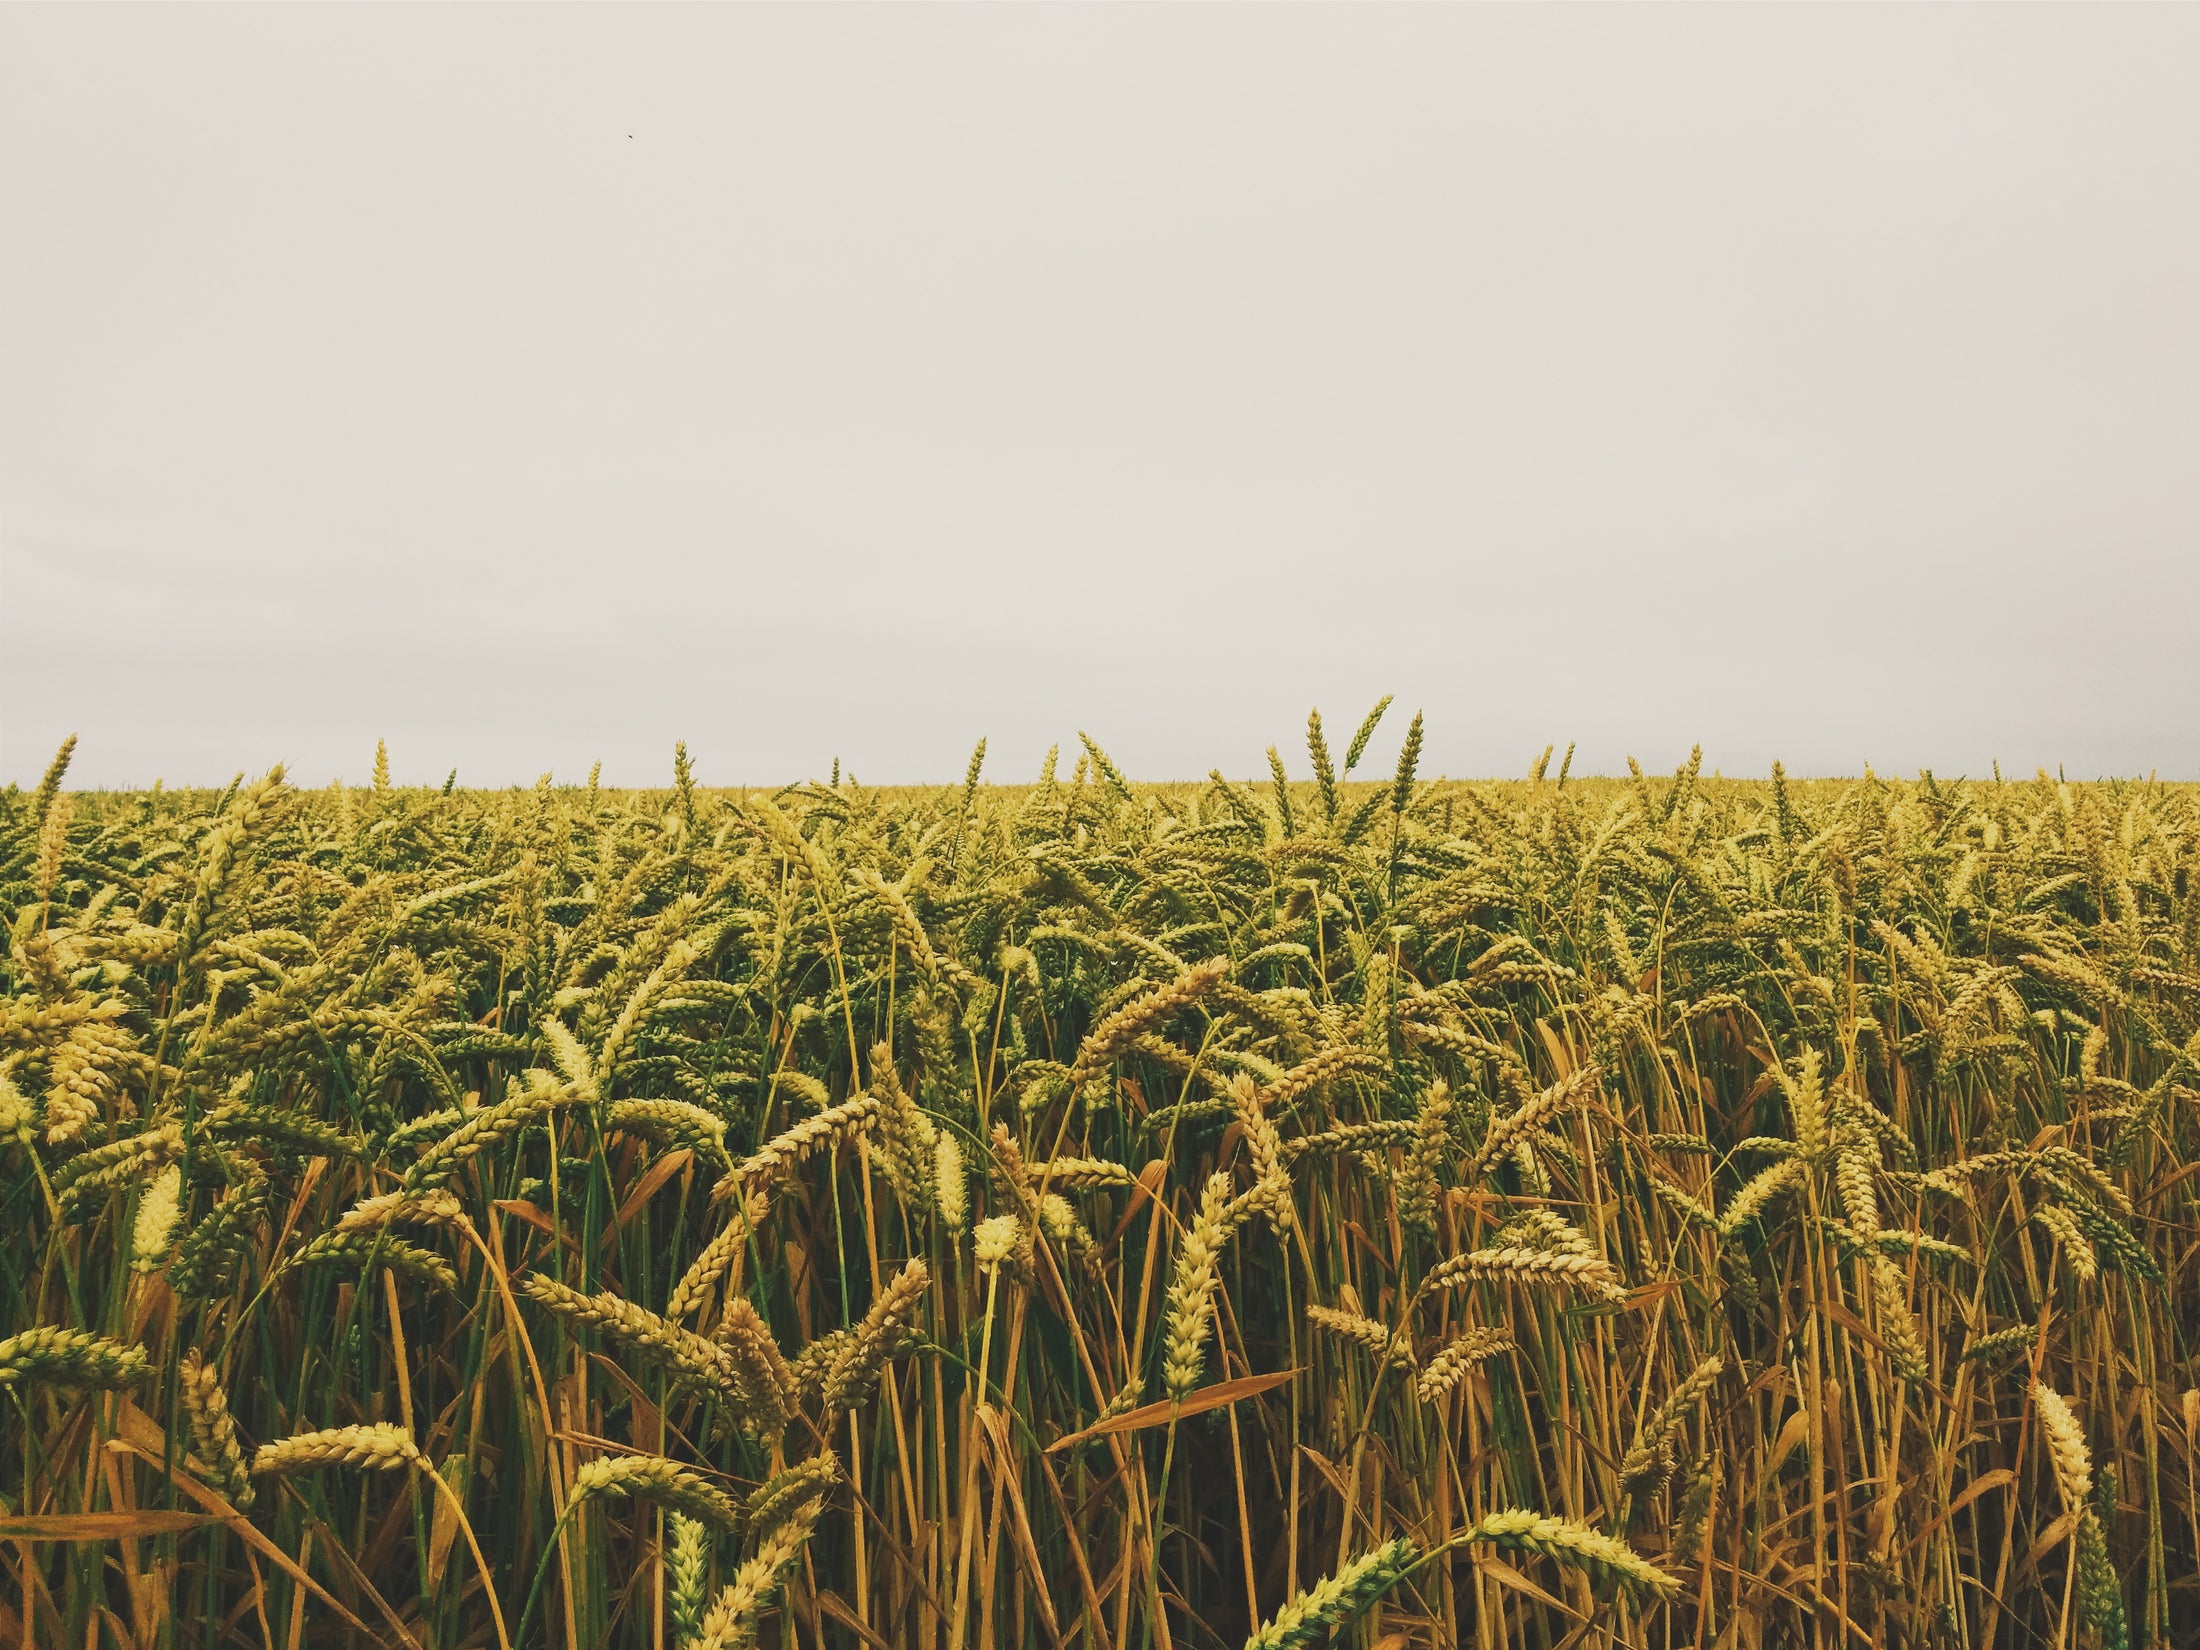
point(1416, 1213)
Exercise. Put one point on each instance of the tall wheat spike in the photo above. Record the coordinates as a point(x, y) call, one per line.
point(212, 1431)
point(1311, 1614)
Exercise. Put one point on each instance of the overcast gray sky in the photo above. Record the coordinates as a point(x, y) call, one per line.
point(530, 385)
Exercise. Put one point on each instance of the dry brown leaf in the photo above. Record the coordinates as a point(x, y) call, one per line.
point(101, 1526)
point(1153, 1415)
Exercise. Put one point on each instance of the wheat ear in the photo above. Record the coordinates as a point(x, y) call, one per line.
point(1571, 1543)
point(653, 1478)
point(380, 1447)
point(731, 1624)
point(1330, 1600)
point(213, 1432)
point(69, 1357)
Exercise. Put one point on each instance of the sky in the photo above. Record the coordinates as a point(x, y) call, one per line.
point(533, 386)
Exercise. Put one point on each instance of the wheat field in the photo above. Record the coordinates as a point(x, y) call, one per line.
point(1395, 1211)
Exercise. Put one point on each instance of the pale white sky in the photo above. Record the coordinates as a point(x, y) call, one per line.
point(529, 385)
